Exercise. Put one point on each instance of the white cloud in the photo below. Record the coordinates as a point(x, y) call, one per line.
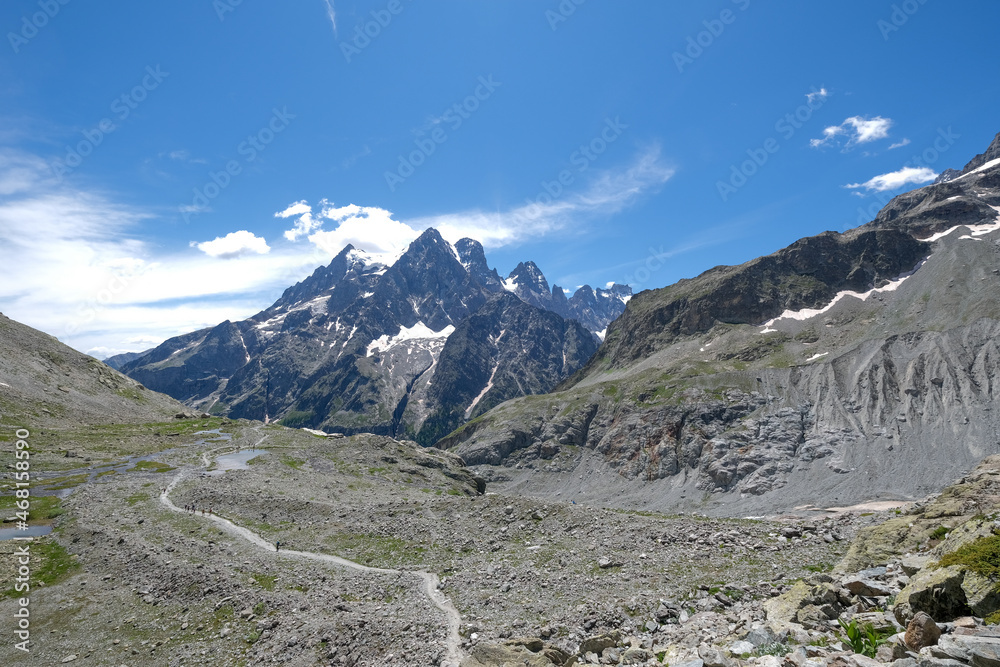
point(305, 224)
point(897, 179)
point(541, 215)
point(234, 244)
point(857, 130)
point(366, 227)
point(373, 229)
point(900, 144)
point(71, 264)
point(820, 95)
point(331, 13)
point(74, 263)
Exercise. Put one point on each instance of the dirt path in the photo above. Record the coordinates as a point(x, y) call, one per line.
point(429, 579)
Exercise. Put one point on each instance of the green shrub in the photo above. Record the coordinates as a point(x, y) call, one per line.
point(981, 557)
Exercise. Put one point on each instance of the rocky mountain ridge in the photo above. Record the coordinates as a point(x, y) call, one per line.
point(358, 345)
point(843, 367)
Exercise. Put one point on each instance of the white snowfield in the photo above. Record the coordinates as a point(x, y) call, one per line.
point(418, 331)
point(808, 313)
point(974, 232)
point(984, 167)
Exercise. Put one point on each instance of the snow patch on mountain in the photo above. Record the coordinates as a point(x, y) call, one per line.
point(486, 390)
point(809, 313)
point(984, 167)
point(418, 331)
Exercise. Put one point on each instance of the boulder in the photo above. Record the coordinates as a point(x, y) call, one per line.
point(937, 592)
point(867, 587)
point(913, 564)
point(598, 643)
point(492, 655)
point(713, 657)
point(981, 594)
point(921, 631)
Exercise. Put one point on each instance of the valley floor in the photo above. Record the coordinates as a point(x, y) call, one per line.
point(134, 577)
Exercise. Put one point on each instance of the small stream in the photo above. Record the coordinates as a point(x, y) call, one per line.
point(118, 467)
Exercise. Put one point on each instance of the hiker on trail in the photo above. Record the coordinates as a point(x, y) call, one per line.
point(277, 545)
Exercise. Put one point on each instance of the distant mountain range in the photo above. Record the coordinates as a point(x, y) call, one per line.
point(407, 346)
point(839, 369)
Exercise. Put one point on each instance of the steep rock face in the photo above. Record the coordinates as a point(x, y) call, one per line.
point(506, 349)
point(843, 368)
point(596, 309)
point(807, 273)
point(593, 309)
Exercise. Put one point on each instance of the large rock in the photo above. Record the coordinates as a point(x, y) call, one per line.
point(867, 587)
point(937, 592)
point(510, 655)
point(922, 631)
point(981, 594)
point(982, 651)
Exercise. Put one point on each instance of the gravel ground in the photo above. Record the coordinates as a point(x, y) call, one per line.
point(149, 585)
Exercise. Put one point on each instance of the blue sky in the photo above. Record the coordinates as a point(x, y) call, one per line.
point(146, 148)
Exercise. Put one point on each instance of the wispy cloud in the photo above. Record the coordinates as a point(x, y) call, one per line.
point(75, 263)
point(900, 144)
point(375, 230)
point(331, 13)
point(820, 95)
point(896, 179)
point(855, 130)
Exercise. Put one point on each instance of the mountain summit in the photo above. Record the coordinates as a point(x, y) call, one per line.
point(369, 342)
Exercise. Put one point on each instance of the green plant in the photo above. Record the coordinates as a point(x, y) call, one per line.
point(152, 466)
point(772, 648)
point(863, 639)
point(266, 581)
point(939, 533)
point(981, 557)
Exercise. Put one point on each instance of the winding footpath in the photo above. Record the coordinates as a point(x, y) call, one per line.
point(429, 580)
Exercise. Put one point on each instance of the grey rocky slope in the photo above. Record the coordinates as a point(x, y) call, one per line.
point(44, 383)
point(844, 367)
point(355, 347)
